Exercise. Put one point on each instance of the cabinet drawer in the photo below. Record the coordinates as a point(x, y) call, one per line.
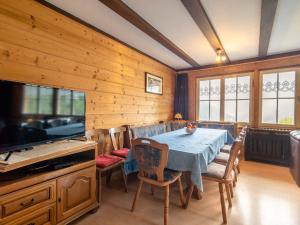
point(44, 216)
point(28, 199)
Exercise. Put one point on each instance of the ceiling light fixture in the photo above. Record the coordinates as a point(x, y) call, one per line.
point(221, 57)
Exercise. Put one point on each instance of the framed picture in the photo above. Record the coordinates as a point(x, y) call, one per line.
point(153, 84)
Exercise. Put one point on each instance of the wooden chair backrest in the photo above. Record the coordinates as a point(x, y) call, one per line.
point(243, 134)
point(151, 157)
point(117, 137)
point(235, 149)
point(97, 135)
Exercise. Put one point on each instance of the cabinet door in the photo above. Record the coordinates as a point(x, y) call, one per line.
point(75, 192)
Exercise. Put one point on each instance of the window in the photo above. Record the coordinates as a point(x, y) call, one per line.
point(45, 100)
point(37, 100)
point(30, 99)
point(64, 101)
point(78, 103)
point(237, 99)
point(210, 99)
point(278, 98)
point(70, 103)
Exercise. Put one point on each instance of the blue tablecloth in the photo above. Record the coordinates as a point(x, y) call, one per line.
point(188, 152)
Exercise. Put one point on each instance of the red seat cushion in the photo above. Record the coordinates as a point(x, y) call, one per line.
point(104, 161)
point(123, 152)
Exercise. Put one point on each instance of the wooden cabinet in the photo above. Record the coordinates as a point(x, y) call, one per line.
point(75, 192)
point(55, 195)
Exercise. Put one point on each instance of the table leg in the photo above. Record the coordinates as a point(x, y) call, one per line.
point(189, 195)
point(197, 193)
point(192, 189)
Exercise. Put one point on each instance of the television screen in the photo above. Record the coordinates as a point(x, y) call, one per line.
point(32, 114)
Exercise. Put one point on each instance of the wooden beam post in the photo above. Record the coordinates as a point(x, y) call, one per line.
point(197, 12)
point(268, 10)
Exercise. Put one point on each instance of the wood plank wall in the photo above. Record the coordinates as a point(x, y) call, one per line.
point(41, 46)
point(253, 67)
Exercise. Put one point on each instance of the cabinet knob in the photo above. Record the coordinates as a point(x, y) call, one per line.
point(59, 200)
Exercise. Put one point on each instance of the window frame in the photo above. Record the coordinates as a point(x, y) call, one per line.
point(198, 97)
point(297, 99)
point(222, 97)
point(236, 76)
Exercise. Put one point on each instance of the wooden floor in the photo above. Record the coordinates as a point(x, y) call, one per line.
point(265, 195)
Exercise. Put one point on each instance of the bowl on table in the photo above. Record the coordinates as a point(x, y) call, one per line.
point(190, 128)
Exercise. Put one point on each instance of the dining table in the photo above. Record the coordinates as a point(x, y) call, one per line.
point(189, 153)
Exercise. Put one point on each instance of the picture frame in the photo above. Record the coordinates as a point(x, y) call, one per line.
point(153, 84)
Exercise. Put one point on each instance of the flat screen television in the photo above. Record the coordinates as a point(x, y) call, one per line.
point(32, 114)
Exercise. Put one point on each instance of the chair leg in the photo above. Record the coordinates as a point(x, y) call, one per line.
point(236, 173)
point(231, 190)
point(181, 192)
point(125, 179)
point(234, 178)
point(108, 176)
point(137, 195)
point(228, 195)
point(98, 173)
point(238, 168)
point(223, 203)
point(166, 208)
point(152, 189)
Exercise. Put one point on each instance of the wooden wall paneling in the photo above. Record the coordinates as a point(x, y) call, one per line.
point(38, 26)
point(73, 29)
point(41, 46)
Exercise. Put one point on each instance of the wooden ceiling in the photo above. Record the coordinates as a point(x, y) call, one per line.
point(185, 34)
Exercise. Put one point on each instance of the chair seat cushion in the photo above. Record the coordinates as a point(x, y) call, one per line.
point(168, 175)
point(226, 148)
point(104, 161)
point(215, 170)
point(224, 157)
point(123, 152)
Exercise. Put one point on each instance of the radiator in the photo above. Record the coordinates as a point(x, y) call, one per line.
point(266, 145)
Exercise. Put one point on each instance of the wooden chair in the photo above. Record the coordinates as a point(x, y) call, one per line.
point(117, 139)
point(223, 157)
point(223, 176)
point(152, 158)
point(105, 163)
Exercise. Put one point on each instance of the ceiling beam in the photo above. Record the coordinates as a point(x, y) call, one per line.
point(127, 13)
point(197, 12)
point(268, 11)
